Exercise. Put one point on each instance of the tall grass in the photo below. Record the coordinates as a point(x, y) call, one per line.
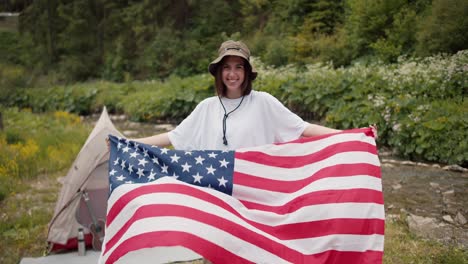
point(33, 144)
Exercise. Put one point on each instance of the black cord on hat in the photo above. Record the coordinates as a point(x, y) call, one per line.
point(226, 115)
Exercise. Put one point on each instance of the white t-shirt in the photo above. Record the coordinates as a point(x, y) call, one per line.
point(261, 119)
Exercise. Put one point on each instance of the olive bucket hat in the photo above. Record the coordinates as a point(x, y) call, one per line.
point(232, 48)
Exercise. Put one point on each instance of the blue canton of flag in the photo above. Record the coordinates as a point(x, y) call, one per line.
point(133, 162)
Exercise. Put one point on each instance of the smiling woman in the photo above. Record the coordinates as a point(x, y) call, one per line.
point(238, 116)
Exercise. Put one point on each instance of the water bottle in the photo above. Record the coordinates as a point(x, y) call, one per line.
point(81, 242)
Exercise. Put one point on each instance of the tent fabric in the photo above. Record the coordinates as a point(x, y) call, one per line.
point(88, 172)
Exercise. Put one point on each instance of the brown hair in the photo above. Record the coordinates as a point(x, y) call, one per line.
point(246, 85)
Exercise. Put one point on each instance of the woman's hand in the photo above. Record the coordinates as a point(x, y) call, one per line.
point(374, 130)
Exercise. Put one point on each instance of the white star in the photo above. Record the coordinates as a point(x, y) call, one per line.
point(130, 168)
point(164, 150)
point(133, 154)
point(155, 160)
point(175, 176)
point(188, 153)
point(136, 144)
point(197, 178)
point(199, 160)
point(145, 153)
point(224, 163)
point(225, 151)
point(119, 145)
point(119, 138)
point(186, 167)
point(112, 172)
point(211, 170)
point(151, 176)
point(222, 181)
point(120, 178)
point(142, 162)
point(140, 173)
point(122, 165)
point(126, 149)
point(175, 158)
point(164, 168)
point(116, 161)
point(212, 155)
point(128, 182)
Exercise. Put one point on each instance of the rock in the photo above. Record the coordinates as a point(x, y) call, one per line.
point(448, 218)
point(130, 133)
point(460, 219)
point(118, 117)
point(434, 185)
point(391, 206)
point(392, 217)
point(428, 227)
point(437, 166)
point(422, 164)
point(456, 168)
point(388, 165)
point(449, 193)
point(396, 186)
point(166, 127)
point(407, 162)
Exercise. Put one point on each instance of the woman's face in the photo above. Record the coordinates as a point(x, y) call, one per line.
point(233, 74)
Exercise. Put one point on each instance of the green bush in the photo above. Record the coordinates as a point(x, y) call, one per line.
point(415, 102)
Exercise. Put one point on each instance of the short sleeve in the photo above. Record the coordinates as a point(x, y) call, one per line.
point(187, 134)
point(286, 125)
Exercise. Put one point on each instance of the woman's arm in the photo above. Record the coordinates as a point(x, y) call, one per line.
point(317, 130)
point(160, 140)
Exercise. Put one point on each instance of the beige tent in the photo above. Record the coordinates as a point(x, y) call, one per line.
point(89, 174)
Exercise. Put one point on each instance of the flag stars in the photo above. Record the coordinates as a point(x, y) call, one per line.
point(140, 173)
point(133, 154)
point(224, 163)
point(199, 160)
point(188, 153)
point(142, 162)
point(175, 158)
point(130, 168)
point(175, 176)
point(164, 168)
point(126, 149)
point(155, 160)
point(164, 150)
point(116, 161)
point(197, 178)
point(212, 155)
point(112, 172)
point(145, 153)
point(128, 182)
point(186, 167)
point(120, 178)
point(222, 181)
point(151, 176)
point(211, 170)
point(119, 146)
point(122, 165)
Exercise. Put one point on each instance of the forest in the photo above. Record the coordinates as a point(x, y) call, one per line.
point(79, 40)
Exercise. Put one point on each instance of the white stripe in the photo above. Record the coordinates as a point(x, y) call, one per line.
point(293, 174)
point(217, 236)
point(272, 198)
point(357, 243)
point(301, 149)
point(304, 214)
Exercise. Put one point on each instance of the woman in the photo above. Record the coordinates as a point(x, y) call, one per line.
point(238, 116)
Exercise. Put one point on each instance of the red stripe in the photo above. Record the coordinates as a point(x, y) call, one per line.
point(286, 186)
point(284, 232)
point(237, 230)
point(213, 252)
point(303, 160)
point(320, 197)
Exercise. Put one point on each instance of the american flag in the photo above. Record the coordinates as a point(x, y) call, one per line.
point(312, 200)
